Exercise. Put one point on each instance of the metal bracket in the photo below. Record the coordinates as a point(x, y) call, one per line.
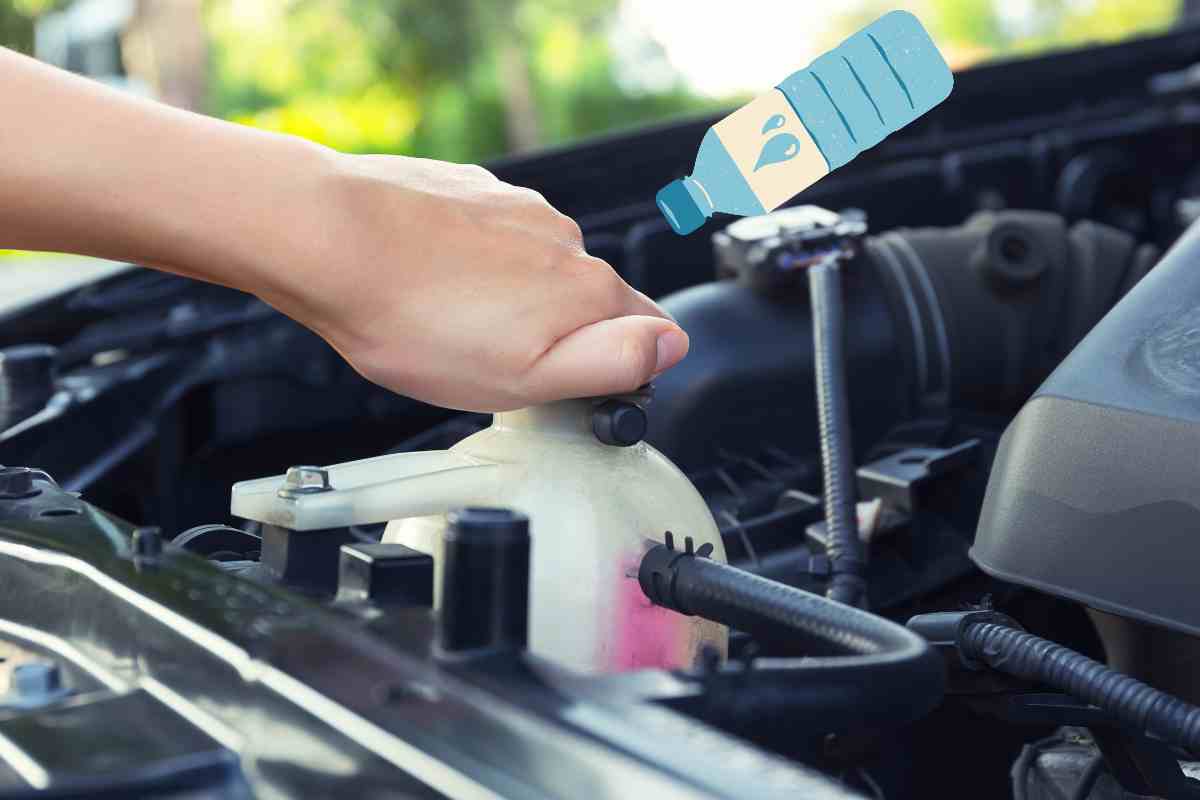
point(897, 478)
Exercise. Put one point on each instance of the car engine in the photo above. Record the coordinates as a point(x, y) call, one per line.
point(915, 518)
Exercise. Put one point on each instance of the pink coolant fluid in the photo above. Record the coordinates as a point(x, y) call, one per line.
point(650, 636)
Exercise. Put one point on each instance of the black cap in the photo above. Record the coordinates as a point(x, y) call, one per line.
point(619, 423)
point(485, 582)
point(486, 524)
point(26, 380)
point(17, 482)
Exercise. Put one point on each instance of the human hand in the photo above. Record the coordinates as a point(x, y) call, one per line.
point(432, 279)
point(443, 283)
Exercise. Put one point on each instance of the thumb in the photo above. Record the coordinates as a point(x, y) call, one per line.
point(612, 356)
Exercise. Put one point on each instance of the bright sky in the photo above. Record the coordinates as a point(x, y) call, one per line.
point(720, 51)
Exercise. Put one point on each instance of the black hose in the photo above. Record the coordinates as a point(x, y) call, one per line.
point(862, 668)
point(846, 582)
point(1015, 652)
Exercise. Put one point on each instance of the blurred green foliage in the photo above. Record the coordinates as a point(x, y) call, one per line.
point(1051, 23)
point(16, 21)
point(450, 79)
point(970, 31)
point(466, 80)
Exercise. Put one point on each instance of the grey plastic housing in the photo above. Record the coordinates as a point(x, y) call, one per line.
point(1095, 491)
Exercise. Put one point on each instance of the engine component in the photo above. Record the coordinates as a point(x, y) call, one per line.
point(146, 544)
point(186, 681)
point(26, 381)
point(1030, 657)
point(32, 684)
point(17, 483)
point(855, 663)
point(897, 479)
point(1133, 723)
point(972, 318)
point(389, 574)
point(32, 494)
point(593, 505)
point(219, 542)
point(1108, 185)
point(485, 583)
point(845, 551)
point(306, 560)
point(1092, 496)
point(1081, 764)
point(769, 251)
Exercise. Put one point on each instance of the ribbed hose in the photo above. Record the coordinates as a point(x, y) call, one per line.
point(846, 583)
point(857, 666)
point(1030, 657)
point(757, 605)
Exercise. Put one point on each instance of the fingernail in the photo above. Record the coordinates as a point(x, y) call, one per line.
point(672, 347)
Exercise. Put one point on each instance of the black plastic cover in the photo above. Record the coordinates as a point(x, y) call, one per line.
point(1095, 490)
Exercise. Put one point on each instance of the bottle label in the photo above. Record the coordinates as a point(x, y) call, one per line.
point(772, 149)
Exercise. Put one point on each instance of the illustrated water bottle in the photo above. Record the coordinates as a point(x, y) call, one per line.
point(774, 147)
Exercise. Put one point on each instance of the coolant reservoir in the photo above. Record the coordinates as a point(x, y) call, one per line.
point(594, 509)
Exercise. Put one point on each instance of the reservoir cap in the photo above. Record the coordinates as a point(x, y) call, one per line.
point(679, 207)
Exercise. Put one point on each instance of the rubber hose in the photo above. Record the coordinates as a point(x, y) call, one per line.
point(862, 667)
point(846, 582)
point(1030, 657)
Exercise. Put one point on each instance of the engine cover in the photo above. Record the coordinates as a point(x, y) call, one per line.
point(1095, 492)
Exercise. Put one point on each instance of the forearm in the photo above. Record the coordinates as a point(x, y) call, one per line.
point(433, 279)
point(87, 169)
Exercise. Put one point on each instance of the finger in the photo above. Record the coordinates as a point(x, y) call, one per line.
point(643, 305)
point(612, 356)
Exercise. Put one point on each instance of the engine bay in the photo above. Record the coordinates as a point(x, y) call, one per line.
point(1002, 277)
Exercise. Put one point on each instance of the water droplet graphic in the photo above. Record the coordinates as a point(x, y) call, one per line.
point(774, 121)
point(783, 147)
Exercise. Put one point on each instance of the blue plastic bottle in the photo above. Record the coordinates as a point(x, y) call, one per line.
point(774, 147)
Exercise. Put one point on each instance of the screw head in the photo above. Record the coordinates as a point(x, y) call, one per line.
point(16, 482)
point(1012, 257)
point(35, 680)
point(305, 480)
point(147, 543)
point(819, 565)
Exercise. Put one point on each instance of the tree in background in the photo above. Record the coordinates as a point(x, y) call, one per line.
point(467, 80)
point(970, 31)
point(458, 79)
point(17, 18)
point(166, 48)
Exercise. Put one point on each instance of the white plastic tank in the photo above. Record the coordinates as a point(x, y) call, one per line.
point(594, 510)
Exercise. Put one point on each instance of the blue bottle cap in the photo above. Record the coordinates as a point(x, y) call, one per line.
point(679, 207)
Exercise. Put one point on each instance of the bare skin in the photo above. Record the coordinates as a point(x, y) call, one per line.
point(434, 280)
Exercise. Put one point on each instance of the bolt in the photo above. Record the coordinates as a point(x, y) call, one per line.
point(35, 681)
point(304, 480)
point(147, 544)
point(16, 482)
point(819, 565)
